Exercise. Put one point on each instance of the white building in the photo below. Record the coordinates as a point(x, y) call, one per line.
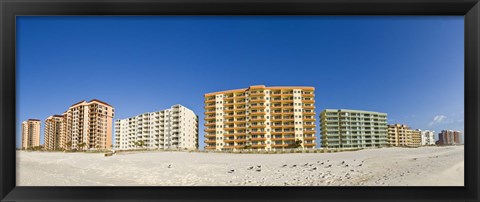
point(174, 128)
point(427, 137)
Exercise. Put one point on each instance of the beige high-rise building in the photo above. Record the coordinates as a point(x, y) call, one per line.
point(260, 118)
point(88, 125)
point(54, 132)
point(414, 138)
point(30, 133)
point(400, 135)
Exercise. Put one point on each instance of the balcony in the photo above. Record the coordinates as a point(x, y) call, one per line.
point(210, 147)
point(257, 94)
point(228, 140)
point(258, 107)
point(257, 100)
point(277, 126)
point(258, 113)
point(308, 119)
point(309, 144)
point(209, 101)
point(210, 124)
point(228, 115)
point(258, 132)
point(309, 113)
point(209, 112)
point(228, 109)
point(309, 125)
point(308, 95)
point(239, 127)
point(308, 101)
point(309, 138)
point(209, 130)
point(259, 139)
point(209, 141)
point(258, 126)
point(258, 145)
point(240, 140)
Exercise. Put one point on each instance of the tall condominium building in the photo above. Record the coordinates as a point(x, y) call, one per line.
point(88, 125)
point(344, 128)
point(30, 133)
point(449, 137)
point(174, 128)
point(54, 132)
point(414, 138)
point(400, 135)
point(260, 118)
point(397, 135)
point(427, 137)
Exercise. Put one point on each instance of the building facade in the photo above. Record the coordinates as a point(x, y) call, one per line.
point(30, 133)
point(449, 137)
point(397, 135)
point(343, 128)
point(54, 132)
point(260, 118)
point(174, 128)
point(428, 137)
point(88, 126)
point(400, 135)
point(414, 138)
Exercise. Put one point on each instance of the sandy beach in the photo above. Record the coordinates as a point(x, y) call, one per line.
point(424, 166)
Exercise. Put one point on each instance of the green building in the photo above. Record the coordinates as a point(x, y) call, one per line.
point(344, 128)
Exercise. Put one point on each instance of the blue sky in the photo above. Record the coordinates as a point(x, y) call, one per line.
point(409, 67)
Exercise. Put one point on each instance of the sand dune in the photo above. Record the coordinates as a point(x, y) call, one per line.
point(425, 166)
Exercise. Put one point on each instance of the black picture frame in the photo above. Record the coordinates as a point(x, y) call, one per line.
point(9, 9)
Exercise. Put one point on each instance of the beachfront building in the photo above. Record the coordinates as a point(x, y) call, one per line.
point(427, 137)
point(344, 128)
point(449, 137)
point(400, 135)
point(30, 133)
point(260, 118)
point(173, 128)
point(88, 125)
point(54, 132)
point(397, 135)
point(414, 138)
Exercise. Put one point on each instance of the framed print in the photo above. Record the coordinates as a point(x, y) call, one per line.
point(257, 100)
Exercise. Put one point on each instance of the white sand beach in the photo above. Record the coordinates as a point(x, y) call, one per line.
point(424, 166)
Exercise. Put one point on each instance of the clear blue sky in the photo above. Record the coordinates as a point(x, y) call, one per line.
point(409, 67)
